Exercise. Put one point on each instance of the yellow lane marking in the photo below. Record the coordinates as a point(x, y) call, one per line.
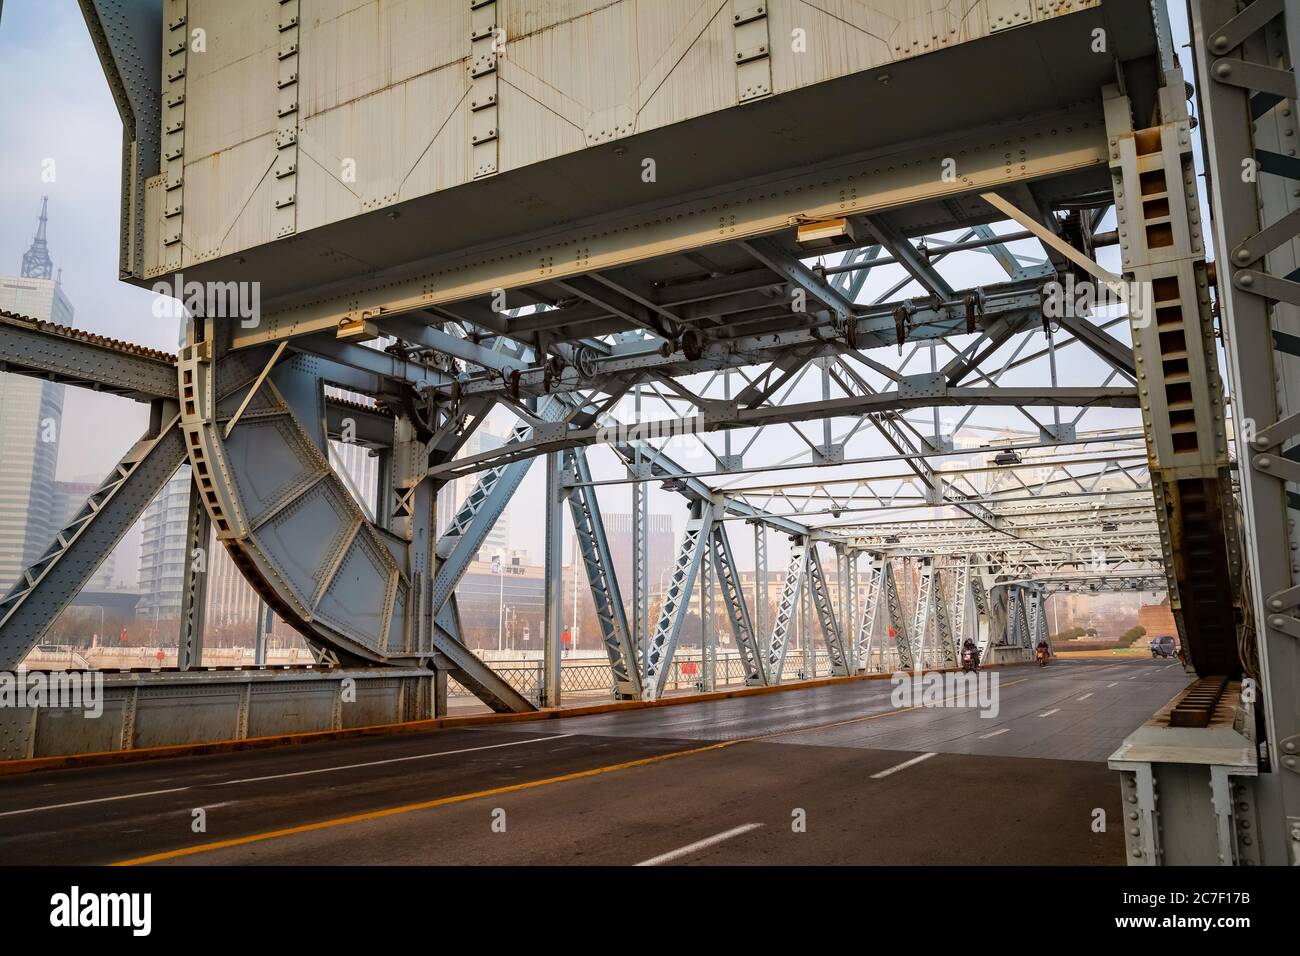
point(410, 807)
point(496, 791)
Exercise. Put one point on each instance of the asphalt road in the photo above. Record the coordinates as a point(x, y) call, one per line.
point(832, 774)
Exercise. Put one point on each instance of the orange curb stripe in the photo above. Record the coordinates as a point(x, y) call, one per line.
point(236, 745)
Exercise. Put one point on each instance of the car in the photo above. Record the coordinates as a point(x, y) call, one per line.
point(1163, 646)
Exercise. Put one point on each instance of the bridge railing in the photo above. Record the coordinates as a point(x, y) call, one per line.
point(592, 677)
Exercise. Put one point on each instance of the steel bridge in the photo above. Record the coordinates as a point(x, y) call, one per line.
point(821, 270)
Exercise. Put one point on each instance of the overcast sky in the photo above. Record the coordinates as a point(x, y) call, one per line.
point(56, 107)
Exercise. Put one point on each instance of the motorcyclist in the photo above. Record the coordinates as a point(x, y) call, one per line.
point(1043, 652)
point(969, 648)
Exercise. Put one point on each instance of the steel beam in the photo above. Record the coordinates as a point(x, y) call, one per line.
point(553, 626)
point(1241, 129)
point(194, 589)
point(787, 607)
point(672, 613)
point(593, 547)
point(821, 599)
point(1163, 249)
point(47, 587)
point(898, 624)
point(733, 599)
point(49, 351)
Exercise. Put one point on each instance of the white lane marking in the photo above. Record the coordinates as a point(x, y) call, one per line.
point(377, 763)
point(1054, 710)
point(1134, 677)
point(699, 845)
point(1113, 683)
point(1087, 695)
point(903, 766)
point(82, 803)
point(222, 783)
point(1004, 730)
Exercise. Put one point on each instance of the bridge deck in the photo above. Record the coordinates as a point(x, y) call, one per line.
point(1017, 788)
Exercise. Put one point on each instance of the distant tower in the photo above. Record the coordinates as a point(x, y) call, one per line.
point(37, 263)
point(32, 503)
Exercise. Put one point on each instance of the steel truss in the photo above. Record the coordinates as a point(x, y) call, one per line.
point(733, 599)
point(703, 329)
point(1245, 58)
point(672, 612)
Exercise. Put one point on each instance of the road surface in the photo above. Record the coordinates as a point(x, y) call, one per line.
point(824, 775)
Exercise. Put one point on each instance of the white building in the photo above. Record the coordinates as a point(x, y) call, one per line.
point(31, 421)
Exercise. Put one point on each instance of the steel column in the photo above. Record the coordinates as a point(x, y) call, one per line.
point(593, 545)
point(733, 599)
point(194, 589)
point(47, 587)
point(663, 641)
point(1256, 239)
point(821, 599)
point(553, 627)
point(871, 603)
point(786, 608)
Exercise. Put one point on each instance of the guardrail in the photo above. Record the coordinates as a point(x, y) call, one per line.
point(586, 676)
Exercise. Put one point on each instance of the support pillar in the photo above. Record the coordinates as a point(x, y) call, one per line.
point(194, 591)
point(265, 618)
point(553, 626)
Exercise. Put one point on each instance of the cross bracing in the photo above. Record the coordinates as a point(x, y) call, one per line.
point(856, 403)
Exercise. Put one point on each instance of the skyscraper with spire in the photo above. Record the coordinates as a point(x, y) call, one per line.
point(37, 263)
point(31, 421)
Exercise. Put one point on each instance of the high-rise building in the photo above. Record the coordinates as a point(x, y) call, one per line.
point(661, 550)
point(232, 602)
point(454, 493)
point(31, 419)
point(70, 496)
point(164, 550)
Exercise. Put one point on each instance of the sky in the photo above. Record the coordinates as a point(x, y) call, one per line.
point(57, 112)
point(56, 108)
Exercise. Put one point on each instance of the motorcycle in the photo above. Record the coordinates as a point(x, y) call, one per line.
point(1042, 657)
point(970, 660)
